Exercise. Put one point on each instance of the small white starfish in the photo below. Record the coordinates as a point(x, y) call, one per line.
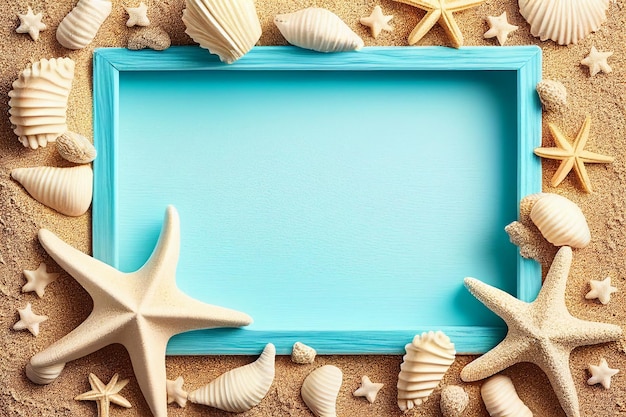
point(104, 395)
point(29, 320)
point(368, 389)
point(137, 15)
point(377, 21)
point(596, 61)
point(31, 23)
point(601, 374)
point(38, 279)
point(175, 392)
point(500, 28)
point(601, 290)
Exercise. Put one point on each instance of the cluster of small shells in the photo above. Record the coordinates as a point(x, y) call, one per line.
point(501, 399)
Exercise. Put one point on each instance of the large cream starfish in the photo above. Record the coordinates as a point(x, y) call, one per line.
point(439, 11)
point(140, 310)
point(542, 332)
point(104, 395)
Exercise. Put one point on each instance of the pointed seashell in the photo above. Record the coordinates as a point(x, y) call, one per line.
point(38, 101)
point(67, 190)
point(427, 359)
point(563, 21)
point(553, 95)
point(317, 29)
point(75, 148)
point(320, 390)
point(228, 28)
point(82, 23)
point(302, 354)
point(501, 399)
point(454, 400)
point(560, 221)
point(240, 389)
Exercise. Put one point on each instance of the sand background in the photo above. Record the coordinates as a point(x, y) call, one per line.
point(67, 304)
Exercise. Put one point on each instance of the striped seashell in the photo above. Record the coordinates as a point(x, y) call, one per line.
point(66, 190)
point(320, 390)
point(560, 221)
point(501, 399)
point(75, 148)
point(82, 23)
point(227, 28)
point(427, 359)
point(38, 101)
point(240, 389)
point(454, 400)
point(317, 29)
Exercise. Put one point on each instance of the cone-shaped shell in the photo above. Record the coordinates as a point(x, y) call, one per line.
point(228, 28)
point(240, 389)
point(317, 29)
point(80, 26)
point(66, 190)
point(320, 390)
point(454, 400)
point(501, 399)
point(560, 221)
point(38, 101)
point(427, 359)
point(75, 148)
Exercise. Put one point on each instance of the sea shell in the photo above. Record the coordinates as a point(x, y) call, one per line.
point(75, 148)
point(240, 389)
point(454, 400)
point(427, 359)
point(152, 37)
point(38, 101)
point(228, 28)
point(82, 23)
point(563, 21)
point(317, 29)
point(302, 354)
point(501, 399)
point(67, 190)
point(320, 390)
point(553, 95)
point(560, 221)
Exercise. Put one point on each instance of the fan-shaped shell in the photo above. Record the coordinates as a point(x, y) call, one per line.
point(80, 26)
point(228, 28)
point(563, 21)
point(67, 190)
point(240, 389)
point(75, 148)
point(454, 400)
point(317, 29)
point(320, 390)
point(38, 101)
point(501, 399)
point(427, 359)
point(560, 221)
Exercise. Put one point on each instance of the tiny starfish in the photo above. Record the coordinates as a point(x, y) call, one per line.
point(596, 61)
point(31, 23)
point(439, 11)
point(377, 21)
point(29, 320)
point(137, 15)
point(572, 156)
point(500, 28)
point(175, 392)
point(38, 279)
point(601, 374)
point(104, 395)
point(601, 290)
point(368, 389)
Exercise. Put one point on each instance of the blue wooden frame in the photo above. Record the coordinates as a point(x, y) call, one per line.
point(110, 62)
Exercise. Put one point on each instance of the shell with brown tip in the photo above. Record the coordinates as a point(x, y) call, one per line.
point(553, 95)
point(501, 399)
point(560, 221)
point(75, 148)
point(320, 390)
point(80, 26)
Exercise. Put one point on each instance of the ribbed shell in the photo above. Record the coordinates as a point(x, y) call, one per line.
point(75, 148)
point(38, 101)
point(454, 400)
point(320, 390)
point(66, 190)
point(240, 389)
point(317, 29)
point(501, 399)
point(427, 359)
point(82, 23)
point(228, 28)
point(560, 221)
point(563, 21)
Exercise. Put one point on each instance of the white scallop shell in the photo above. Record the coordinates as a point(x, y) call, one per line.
point(560, 221)
point(320, 390)
point(563, 21)
point(501, 399)
point(302, 353)
point(427, 359)
point(75, 148)
point(67, 190)
point(82, 23)
point(228, 28)
point(38, 101)
point(317, 29)
point(454, 400)
point(240, 389)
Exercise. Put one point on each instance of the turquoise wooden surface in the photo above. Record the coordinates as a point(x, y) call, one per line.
point(339, 200)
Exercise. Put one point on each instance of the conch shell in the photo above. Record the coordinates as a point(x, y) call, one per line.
point(320, 390)
point(75, 148)
point(560, 221)
point(501, 399)
point(38, 101)
point(82, 23)
point(240, 389)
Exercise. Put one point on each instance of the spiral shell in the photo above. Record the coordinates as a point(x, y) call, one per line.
point(560, 221)
point(427, 359)
point(317, 29)
point(563, 21)
point(66, 190)
point(240, 389)
point(320, 390)
point(501, 399)
point(553, 95)
point(454, 400)
point(75, 148)
point(228, 28)
point(38, 101)
point(82, 23)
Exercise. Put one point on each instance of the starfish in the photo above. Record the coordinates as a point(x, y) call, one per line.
point(601, 374)
point(31, 23)
point(140, 310)
point(500, 28)
point(29, 320)
point(542, 332)
point(104, 395)
point(596, 61)
point(368, 389)
point(175, 392)
point(38, 279)
point(439, 11)
point(601, 290)
point(572, 156)
point(137, 15)
point(377, 21)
